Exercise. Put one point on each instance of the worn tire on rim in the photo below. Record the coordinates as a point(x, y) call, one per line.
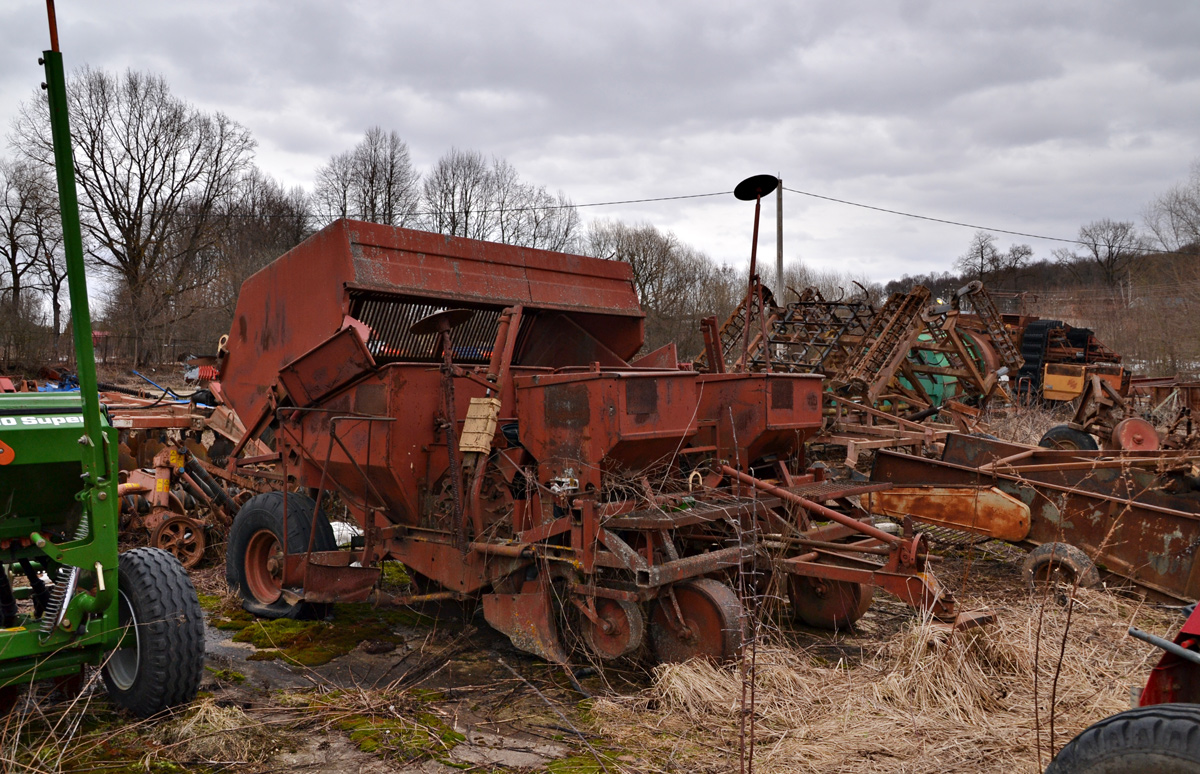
point(161, 656)
point(713, 615)
point(1063, 437)
point(1160, 738)
point(253, 556)
point(1059, 562)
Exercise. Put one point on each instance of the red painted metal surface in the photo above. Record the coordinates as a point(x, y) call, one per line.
point(749, 413)
point(357, 269)
point(1176, 679)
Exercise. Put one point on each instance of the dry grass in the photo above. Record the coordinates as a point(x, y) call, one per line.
point(1027, 424)
point(924, 701)
point(211, 733)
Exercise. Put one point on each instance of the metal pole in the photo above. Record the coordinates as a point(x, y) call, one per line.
point(750, 287)
point(779, 242)
point(81, 321)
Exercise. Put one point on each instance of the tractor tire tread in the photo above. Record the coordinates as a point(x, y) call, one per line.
point(1064, 554)
point(171, 627)
point(1161, 738)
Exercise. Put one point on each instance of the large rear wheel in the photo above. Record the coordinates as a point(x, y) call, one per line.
point(161, 656)
point(254, 554)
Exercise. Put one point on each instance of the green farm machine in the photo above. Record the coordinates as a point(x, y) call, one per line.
point(68, 599)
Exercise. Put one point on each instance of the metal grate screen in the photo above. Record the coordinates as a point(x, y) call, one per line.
point(390, 317)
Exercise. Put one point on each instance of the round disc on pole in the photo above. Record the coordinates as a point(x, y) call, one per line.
point(445, 320)
point(752, 188)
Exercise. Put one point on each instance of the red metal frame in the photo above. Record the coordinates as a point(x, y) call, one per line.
point(603, 478)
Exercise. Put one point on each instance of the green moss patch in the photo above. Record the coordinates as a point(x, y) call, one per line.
point(395, 577)
point(226, 613)
point(227, 675)
point(425, 737)
point(312, 643)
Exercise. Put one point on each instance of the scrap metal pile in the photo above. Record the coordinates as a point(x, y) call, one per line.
point(885, 369)
point(1136, 514)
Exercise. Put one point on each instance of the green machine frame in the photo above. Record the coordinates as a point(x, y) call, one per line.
point(83, 602)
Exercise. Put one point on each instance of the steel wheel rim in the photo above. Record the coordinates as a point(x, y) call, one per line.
point(827, 603)
point(183, 539)
point(712, 615)
point(263, 566)
point(125, 661)
point(626, 635)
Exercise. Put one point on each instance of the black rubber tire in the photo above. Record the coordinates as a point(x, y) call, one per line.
point(265, 511)
point(168, 649)
point(1160, 738)
point(1064, 437)
point(1033, 352)
point(1072, 562)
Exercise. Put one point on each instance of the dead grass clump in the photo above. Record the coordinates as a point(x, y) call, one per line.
point(926, 700)
point(212, 733)
point(928, 669)
point(1027, 424)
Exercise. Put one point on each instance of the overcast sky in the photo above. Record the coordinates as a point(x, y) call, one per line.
point(1029, 116)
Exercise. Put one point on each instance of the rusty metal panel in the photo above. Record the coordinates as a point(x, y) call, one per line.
point(339, 360)
point(589, 421)
point(1128, 529)
point(528, 619)
point(750, 414)
point(983, 511)
point(290, 306)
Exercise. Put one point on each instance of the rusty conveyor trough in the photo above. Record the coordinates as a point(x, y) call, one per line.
point(1135, 515)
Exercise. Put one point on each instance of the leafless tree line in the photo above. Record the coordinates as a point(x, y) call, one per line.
point(176, 215)
point(1137, 287)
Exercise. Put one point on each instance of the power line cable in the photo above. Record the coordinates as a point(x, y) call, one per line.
point(1084, 243)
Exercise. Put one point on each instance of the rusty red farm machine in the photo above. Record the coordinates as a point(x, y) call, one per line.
point(480, 411)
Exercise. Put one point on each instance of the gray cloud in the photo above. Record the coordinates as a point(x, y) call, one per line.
point(1025, 115)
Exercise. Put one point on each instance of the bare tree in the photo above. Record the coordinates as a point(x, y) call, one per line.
point(331, 191)
point(465, 196)
point(375, 182)
point(263, 221)
point(1108, 248)
point(977, 261)
point(458, 195)
point(152, 171)
point(1174, 217)
point(19, 202)
point(676, 284)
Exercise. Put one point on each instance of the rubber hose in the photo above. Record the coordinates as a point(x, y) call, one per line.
point(8, 602)
point(38, 590)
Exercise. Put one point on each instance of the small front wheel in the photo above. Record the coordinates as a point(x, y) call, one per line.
point(160, 659)
point(1068, 439)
